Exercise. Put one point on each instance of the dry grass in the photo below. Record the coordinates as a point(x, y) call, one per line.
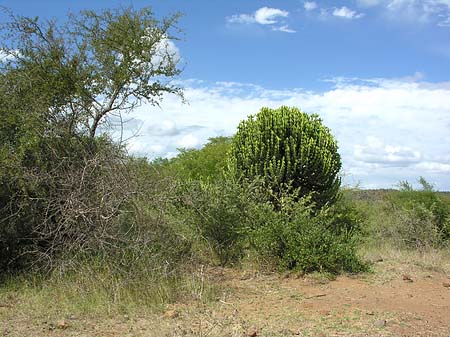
point(219, 302)
point(388, 261)
point(101, 293)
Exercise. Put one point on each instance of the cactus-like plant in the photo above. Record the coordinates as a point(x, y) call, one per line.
point(286, 146)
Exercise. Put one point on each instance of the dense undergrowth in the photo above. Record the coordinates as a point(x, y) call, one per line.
point(173, 224)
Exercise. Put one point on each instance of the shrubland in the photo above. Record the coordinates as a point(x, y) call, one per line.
point(282, 214)
point(407, 218)
point(80, 215)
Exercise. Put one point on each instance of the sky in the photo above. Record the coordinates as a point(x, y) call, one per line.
point(376, 71)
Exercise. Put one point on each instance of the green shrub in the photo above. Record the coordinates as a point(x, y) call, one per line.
point(415, 227)
point(286, 146)
point(297, 237)
point(421, 217)
point(218, 212)
point(206, 164)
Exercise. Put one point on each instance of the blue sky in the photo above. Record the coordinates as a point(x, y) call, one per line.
point(377, 71)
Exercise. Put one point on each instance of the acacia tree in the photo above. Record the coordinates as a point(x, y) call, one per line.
point(62, 187)
point(93, 66)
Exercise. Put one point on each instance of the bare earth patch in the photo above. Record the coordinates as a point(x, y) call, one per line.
point(388, 302)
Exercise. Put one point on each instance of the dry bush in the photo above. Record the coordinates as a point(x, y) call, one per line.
point(86, 201)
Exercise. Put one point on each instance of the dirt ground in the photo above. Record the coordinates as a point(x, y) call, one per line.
point(388, 302)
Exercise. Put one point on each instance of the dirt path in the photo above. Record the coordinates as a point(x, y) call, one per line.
point(250, 304)
point(404, 306)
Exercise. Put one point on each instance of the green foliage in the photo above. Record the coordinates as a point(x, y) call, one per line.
point(218, 212)
point(96, 65)
point(422, 216)
point(286, 146)
point(205, 164)
point(232, 215)
point(297, 237)
point(63, 188)
point(415, 227)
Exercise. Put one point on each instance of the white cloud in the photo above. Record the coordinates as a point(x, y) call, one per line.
point(414, 11)
point(434, 167)
point(376, 152)
point(4, 56)
point(310, 5)
point(445, 22)
point(165, 51)
point(241, 18)
point(387, 129)
point(408, 11)
point(10, 55)
point(168, 125)
point(284, 29)
point(156, 148)
point(188, 142)
point(346, 13)
point(268, 16)
point(263, 16)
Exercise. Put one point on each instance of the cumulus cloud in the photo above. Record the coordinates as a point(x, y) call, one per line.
point(241, 18)
point(434, 167)
point(338, 12)
point(268, 16)
point(346, 13)
point(310, 5)
point(376, 152)
point(170, 128)
point(188, 142)
point(263, 16)
point(4, 56)
point(387, 129)
point(8, 55)
point(423, 11)
point(165, 51)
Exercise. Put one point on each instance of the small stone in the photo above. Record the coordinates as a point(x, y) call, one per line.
point(286, 275)
point(62, 325)
point(252, 333)
point(407, 278)
point(171, 314)
point(446, 284)
point(325, 312)
point(381, 323)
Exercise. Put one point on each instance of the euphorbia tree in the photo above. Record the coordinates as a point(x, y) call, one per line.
point(288, 147)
